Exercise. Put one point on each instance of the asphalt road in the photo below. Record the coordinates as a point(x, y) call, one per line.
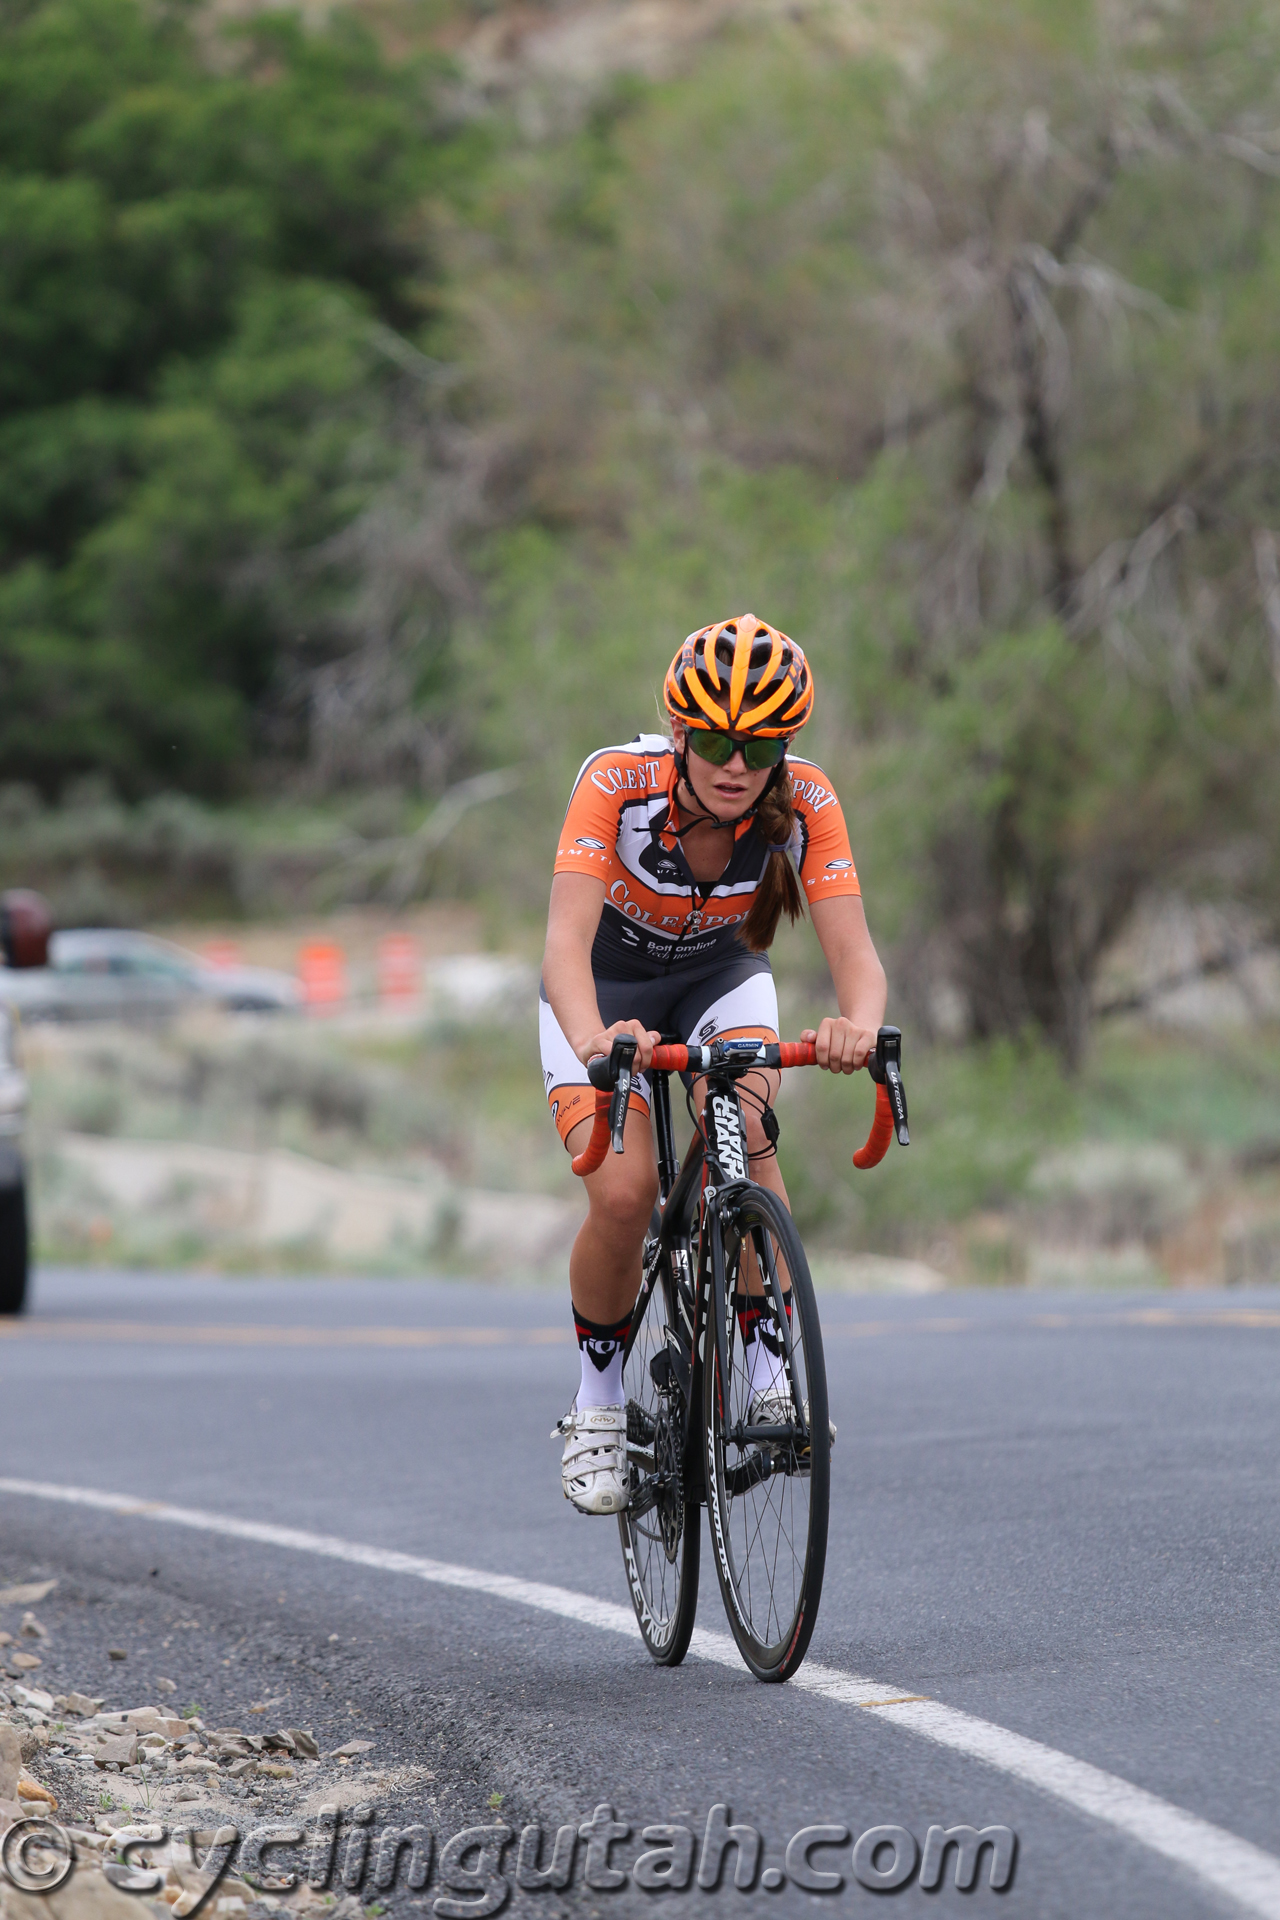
point(1058, 1515)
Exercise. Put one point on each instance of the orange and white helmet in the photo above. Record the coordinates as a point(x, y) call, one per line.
point(740, 676)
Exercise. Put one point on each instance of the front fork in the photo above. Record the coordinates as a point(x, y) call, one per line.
point(714, 1294)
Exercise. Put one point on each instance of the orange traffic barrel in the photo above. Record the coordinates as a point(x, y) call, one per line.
point(399, 968)
point(322, 975)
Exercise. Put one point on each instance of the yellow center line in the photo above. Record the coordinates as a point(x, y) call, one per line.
point(167, 1333)
point(1210, 1317)
point(1064, 1322)
point(143, 1332)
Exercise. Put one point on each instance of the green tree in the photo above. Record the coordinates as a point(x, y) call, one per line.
point(207, 259)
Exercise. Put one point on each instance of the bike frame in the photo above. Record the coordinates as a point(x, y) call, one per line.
point(718, 1162)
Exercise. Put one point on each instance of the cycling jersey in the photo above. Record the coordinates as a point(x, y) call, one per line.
point(619, 828)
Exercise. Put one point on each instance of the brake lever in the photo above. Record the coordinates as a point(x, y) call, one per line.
point(621, 1056)
point(618, 1110)
point(885, 1068)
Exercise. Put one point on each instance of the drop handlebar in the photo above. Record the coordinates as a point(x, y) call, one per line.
point(612, 1076)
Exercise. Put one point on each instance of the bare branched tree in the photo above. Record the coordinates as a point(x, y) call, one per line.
point(370, 685)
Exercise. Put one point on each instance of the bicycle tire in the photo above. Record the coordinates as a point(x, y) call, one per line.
point(14, 1248)
point(660, 1540)
point(768, 1502)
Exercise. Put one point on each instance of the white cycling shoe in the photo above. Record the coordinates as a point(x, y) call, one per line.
point(593, 1471)
point(769, 1408)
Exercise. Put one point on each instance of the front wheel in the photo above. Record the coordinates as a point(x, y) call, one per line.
point(765, 1435)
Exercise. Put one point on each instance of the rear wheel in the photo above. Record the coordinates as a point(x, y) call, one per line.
point(660, 1527)
point(768, 1480)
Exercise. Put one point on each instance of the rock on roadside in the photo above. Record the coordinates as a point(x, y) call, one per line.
point(10, 1762)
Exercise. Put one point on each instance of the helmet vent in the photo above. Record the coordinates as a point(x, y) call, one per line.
point(711, 684)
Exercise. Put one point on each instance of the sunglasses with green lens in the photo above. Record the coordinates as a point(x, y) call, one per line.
point(719, 749)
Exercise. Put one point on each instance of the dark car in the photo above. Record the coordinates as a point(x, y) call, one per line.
point(14, 1233)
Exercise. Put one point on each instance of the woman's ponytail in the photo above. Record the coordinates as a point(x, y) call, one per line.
point(779, 889)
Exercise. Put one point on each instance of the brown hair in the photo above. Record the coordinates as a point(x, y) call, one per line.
point(779, 888)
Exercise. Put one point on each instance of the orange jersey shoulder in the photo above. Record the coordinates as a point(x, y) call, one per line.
point(823, 857)
point(607, 782)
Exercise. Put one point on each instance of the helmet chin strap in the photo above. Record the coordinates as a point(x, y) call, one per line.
point(682, 775)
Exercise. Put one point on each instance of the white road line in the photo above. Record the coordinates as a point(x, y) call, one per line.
point(1229, 1866)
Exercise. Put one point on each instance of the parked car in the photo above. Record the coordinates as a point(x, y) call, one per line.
point(98, 973)
point(14, 1232)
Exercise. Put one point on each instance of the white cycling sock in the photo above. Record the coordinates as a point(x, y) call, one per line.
point(600, 1352)
point(766, 1367)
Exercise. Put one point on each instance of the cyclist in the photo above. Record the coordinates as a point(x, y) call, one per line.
point(676, 860)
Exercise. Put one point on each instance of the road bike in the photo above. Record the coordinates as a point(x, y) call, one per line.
point(722, 1267)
